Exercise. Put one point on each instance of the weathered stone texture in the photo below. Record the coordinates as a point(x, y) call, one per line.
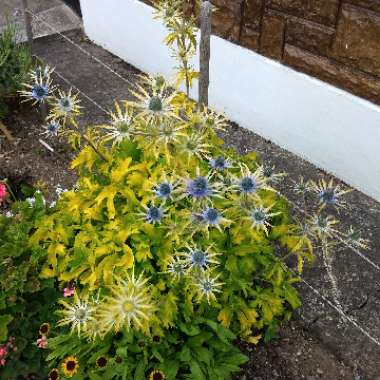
point(227, 18)
point(340, 39)
point(253, 10)
point(358, 83)
point(272, 36)
point(250, 38)
point(374, 5)
point(323, 11)
point(357, 39)
point(309, 36)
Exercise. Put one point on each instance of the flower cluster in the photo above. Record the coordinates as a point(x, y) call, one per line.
point(6, 349)
point(3, 192)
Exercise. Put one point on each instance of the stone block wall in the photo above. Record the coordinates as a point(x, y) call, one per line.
point(337, 41)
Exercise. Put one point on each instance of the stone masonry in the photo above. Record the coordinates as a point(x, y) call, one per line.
point(337, 41)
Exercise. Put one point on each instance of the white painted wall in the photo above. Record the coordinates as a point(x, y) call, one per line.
point(333, 129)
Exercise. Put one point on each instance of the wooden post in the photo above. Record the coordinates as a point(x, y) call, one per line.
point(28, 24)
point(204, 53)
point(44, 111)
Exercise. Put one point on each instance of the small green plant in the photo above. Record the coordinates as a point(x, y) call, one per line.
point(15, 62)
point(202, 350)
point(26, 301)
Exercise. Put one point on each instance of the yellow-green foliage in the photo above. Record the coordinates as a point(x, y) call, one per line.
point(100, 237)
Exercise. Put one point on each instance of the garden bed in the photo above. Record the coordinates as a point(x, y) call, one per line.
point(297, 354)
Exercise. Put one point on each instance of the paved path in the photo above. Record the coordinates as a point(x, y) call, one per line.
point(53, 11)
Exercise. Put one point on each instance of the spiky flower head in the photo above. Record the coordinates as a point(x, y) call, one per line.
point(152, 214)
point(166, 188)
point(201, 187)
point(194, 145)
point(43, 72)
point(269, 173)
point(153, 104)
point(208, 286)
point(250, 182)
point(176, 268)
point(51, 129)
point(261, 216)
point(129, 305)
point(122, 125)
point(199, 259)
point(302, 187)
point(208, 119)
point(79, 314)
point(323, 226)
point(65, 106)
point(355, 239)
point(329, 194)
point(220, 163)
point(39, 90)
point(170, 132)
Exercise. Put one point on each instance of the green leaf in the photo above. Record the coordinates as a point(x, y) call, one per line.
point(4, 322)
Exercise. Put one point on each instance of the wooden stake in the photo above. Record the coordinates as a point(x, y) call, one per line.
point(204, 53)
point(28, 24)
point(7, 134)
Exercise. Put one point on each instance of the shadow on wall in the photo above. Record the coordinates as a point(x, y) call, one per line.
point(75, 5)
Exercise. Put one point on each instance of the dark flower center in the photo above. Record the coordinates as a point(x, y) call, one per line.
point(53, 375)
point(155, 104)
point(119, 360)
point(44, 329)
point(248, 184)
point(40, 91)
point(211, 215)
point(259, 216)
point(198, 187)
point(207, 286)
point(328, 196)
point(156, 339)
point(154, 213)
point(101, 362)
point(199, 258)
point(164, 189)
point(71, 365)
point(268, 171)
point(158, 376)
point(220, 162)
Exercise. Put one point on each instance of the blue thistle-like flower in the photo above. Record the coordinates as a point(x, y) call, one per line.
point(164, 190)
point(199, 187)
point(248, 185)
point(328, 196)
point(154, 214)
point(66, 104)
point(39, 92)
point(211, 216)
point(219, 163)
point(51, 129)
point(199, 259)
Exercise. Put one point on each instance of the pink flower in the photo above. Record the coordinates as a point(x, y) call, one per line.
point(3, 192)
point(2, 362)
point(69, 291)
point(42, 342)
point(3, 351)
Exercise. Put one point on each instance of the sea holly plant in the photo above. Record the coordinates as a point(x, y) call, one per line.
point(171, 229)
point(181, 38)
